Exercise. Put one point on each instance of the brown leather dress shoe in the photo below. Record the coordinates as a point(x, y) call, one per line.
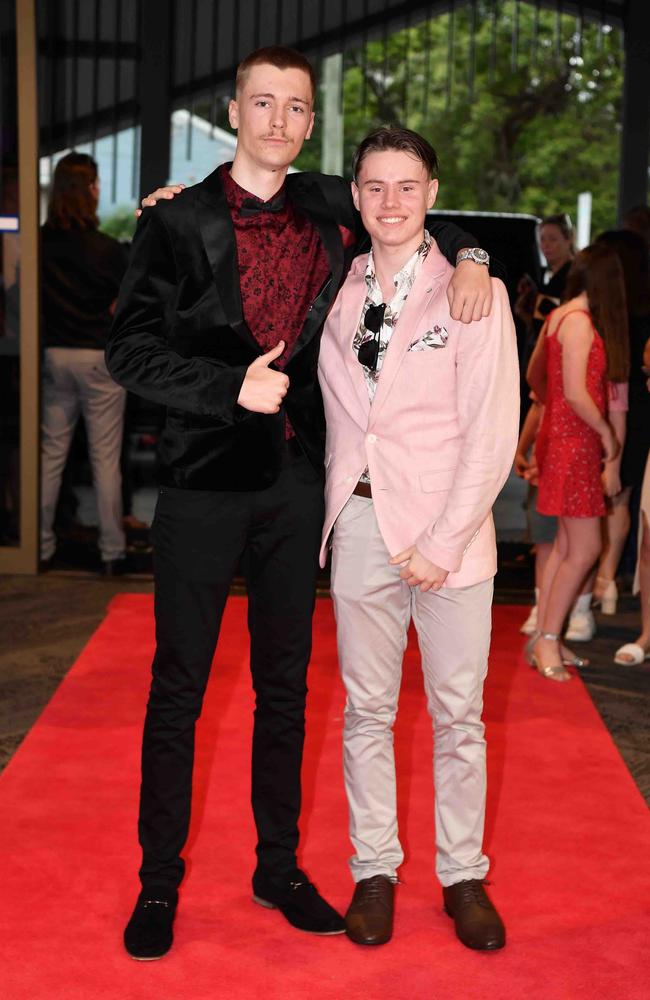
point(369, 919)
point(478, 925)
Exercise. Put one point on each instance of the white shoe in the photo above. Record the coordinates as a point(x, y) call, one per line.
point(608, 597)
point(530, 625)
point(631, 654)
point(581, 628)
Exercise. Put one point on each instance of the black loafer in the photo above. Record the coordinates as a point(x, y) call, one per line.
point(478, 925)
point(298, 900)
point(149, 933)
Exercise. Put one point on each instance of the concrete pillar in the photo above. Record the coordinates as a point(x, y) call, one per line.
point(332, 97)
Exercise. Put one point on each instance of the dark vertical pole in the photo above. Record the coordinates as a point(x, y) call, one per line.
point(633, 185)
point(534, 41)
point(494, 30)
point(74, 103)
point(364, 59)
point(135, 151)
point(471, 61)
point(155, 92)
point(427, 65)
point(514, 52)
point(450, 52)
point(407, 70)
point(95, 71)
point(191, 70)
point(117, 77)
point(215, 60)
point(279, 22)
point(53, 21)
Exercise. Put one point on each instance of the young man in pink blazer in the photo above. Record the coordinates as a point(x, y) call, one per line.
point(422, 419)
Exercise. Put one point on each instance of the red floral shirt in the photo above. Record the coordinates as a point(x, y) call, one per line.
point(282, 265)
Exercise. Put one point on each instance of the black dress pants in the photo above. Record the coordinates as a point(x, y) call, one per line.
point(199, 538)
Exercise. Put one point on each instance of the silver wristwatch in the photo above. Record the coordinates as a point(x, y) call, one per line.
point(473, 253)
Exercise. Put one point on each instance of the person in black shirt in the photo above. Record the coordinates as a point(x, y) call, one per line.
point(632, 252)
point(534, 304)
point(81, 273)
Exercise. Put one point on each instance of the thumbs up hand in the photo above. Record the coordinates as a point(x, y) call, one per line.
point(263, 389)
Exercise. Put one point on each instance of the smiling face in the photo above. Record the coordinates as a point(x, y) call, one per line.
point(393, 191)
point(273, 116)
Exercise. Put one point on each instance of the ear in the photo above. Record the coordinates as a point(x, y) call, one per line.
point(311, 125)
point(432, 193)
point(233, 114)
point(355, 195)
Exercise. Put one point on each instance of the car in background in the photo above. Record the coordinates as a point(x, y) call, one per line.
point(509, 238)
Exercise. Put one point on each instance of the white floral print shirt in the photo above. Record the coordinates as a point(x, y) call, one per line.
point(403, 282)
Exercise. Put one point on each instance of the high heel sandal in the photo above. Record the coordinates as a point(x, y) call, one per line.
point(608, 598)
point(555, 672)
point(569, 659)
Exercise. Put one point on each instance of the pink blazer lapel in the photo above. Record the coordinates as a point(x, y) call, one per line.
point(426, 285)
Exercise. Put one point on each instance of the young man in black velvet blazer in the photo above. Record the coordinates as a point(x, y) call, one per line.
point(202, 326)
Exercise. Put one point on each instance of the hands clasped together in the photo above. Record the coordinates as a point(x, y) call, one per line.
point(418, 571)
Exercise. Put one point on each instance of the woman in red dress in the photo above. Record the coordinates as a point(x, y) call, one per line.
point(583, 346)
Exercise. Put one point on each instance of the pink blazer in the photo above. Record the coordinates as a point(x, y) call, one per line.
point(440, 436)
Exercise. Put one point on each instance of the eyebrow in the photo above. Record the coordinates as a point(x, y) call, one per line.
point(398, 182)
point(298, 100)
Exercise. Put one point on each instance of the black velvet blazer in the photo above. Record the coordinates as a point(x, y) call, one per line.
point(179, 337)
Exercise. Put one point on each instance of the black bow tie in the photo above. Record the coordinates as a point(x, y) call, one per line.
point(253, 206)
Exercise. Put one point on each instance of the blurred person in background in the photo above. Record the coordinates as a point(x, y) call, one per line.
point(580, 351)
point(637, 220)
point(541, 530)
point(81, 273)
point(632, 253)
point(533, 304)
point(639, 651)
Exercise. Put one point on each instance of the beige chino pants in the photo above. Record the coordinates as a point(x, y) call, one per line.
point(373, 608)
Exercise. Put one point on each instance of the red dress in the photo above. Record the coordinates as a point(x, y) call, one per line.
point(569, 452)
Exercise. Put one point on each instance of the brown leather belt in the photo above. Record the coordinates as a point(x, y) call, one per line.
point(363, 490)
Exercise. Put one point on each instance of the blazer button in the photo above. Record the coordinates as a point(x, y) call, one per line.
point(371, 439)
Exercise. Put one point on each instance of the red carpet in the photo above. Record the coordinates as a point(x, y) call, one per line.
point(568, 832)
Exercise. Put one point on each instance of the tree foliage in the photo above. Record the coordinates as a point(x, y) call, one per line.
point(516, 130)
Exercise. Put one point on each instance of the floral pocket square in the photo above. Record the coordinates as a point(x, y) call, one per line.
point(432, 338)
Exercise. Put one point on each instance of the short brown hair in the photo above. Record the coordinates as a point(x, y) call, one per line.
point(72, 204)
point(597, 271)
point(401, 139)
point(562, 222)
point(279, 56)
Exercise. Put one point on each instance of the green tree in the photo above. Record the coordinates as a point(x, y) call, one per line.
point(524, 134)
point(120, 224)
